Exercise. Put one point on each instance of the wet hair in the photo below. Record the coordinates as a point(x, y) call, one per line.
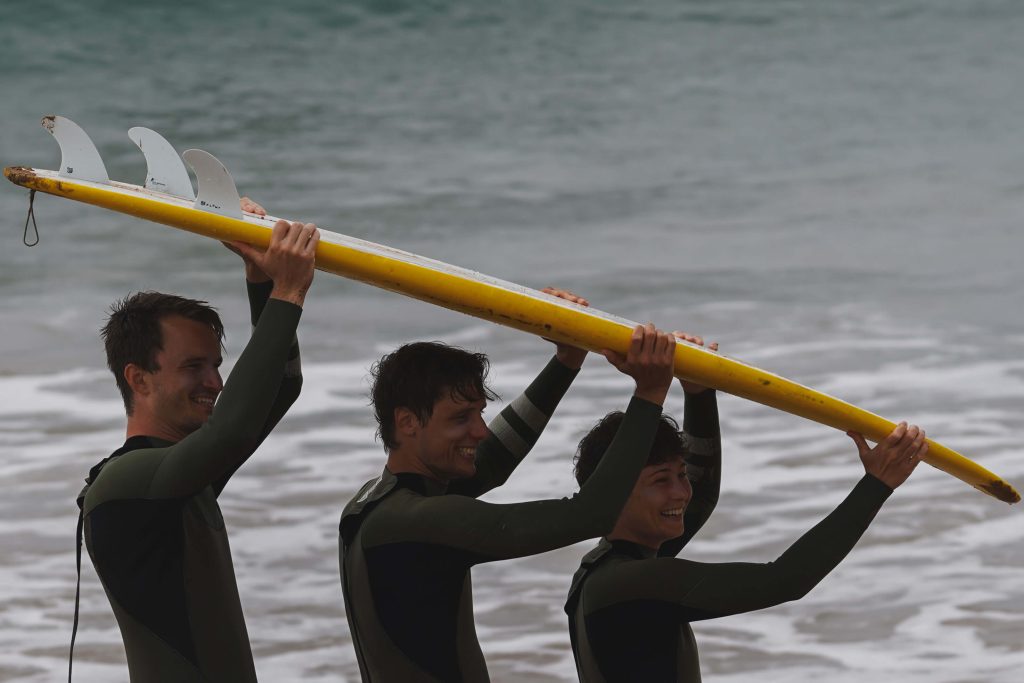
point(669, 443)
point(415, 376)
point(132, 334)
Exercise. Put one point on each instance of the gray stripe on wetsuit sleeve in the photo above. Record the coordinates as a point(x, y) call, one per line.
point(533, 416)
point(509, 437)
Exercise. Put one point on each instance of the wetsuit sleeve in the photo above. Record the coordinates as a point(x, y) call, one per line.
point(705, 591)
point(703, 466)
point(516, 429)
point(232, 433)
point(291, 380)
point(485, 531)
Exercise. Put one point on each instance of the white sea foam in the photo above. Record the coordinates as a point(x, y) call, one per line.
point(931, 592)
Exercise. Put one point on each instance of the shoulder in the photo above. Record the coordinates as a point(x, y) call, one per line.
point(126, 476)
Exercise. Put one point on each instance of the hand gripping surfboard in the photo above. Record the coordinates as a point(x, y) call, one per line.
point(213, 211)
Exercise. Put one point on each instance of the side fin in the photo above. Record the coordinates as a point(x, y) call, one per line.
point(79, 158)
point(217, 191)
point(164, 170)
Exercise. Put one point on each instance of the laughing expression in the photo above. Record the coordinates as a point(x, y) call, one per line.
point(185, 387)
point(654, 512)
point(446, 443)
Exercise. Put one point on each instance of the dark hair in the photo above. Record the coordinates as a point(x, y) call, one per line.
point(416, 375)
point(669, 442)
point(132, 334)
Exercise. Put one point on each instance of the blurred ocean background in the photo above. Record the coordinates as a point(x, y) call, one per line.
point(832, 190)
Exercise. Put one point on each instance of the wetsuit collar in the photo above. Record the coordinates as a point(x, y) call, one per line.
point(425, 486)
point(633, 550)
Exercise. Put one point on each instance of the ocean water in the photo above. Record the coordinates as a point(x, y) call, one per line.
point(831, 190)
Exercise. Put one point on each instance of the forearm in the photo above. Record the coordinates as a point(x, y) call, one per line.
point(516, 429)
point(496, 532)
point(291, 380)
point(733, 588)
point(703, 466)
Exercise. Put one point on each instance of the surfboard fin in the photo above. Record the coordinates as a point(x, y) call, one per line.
point(164, 170)
point(79, 157)
point(217, 191)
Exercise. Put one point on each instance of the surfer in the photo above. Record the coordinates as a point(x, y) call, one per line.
point(152, 524)
point(409, 538)
point(631, 602)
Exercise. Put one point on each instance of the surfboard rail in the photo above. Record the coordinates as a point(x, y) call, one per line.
point(490, 299)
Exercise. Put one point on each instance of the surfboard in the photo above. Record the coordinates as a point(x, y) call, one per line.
point(213, 211)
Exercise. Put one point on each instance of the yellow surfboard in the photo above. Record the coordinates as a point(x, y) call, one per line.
point(216, 215)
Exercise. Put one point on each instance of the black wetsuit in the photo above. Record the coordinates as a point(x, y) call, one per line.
point(408, 543)
point(154, 529)
point(630, 611)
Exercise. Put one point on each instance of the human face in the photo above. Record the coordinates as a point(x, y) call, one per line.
point(182, 392)
point(446, 443)
point(654, 512)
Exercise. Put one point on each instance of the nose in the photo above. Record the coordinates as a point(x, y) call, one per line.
point(683, 489)
point(479, 428)
point(213, 381)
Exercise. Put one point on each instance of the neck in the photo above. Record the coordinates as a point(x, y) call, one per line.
point(622, 532)
point(401, 461)
point(143, 425)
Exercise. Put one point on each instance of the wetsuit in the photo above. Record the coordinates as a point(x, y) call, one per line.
point(154, 529)
point(630, 611)
point(408, 543)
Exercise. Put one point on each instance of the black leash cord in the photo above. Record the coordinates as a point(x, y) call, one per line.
point(31, 216)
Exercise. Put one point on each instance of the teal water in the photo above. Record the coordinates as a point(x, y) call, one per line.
point(832, 190)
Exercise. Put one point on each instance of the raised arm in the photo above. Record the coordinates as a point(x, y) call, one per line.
point(704, 464)
point(519, 425)
point(245, 411)
point(704, 591)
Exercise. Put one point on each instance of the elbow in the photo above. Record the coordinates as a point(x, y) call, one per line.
point(793, 590)
point(600, 517)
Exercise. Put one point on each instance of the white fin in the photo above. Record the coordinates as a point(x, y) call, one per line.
point(164, 170)
point(79, 158)
point(217, 191)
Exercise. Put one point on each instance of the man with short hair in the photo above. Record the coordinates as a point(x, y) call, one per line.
point(409, 538)
point(631, 602)
point(151, 520)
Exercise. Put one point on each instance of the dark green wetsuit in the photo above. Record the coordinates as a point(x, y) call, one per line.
point(408, 543)
point(630, 611)
point(155, 532)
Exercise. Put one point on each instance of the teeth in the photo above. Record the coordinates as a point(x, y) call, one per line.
point(673, 513)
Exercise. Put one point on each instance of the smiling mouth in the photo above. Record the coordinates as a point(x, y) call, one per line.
point(676, 512)
point(205, 401)
point(467, 452)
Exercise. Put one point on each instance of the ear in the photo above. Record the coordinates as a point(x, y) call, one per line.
point(406, 422)
point(137, 378)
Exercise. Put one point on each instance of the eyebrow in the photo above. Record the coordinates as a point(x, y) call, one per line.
point(201, 359)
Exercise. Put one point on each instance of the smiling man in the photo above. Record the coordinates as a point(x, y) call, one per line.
point(410, 537)
point(631, 602)
point(151, 520)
